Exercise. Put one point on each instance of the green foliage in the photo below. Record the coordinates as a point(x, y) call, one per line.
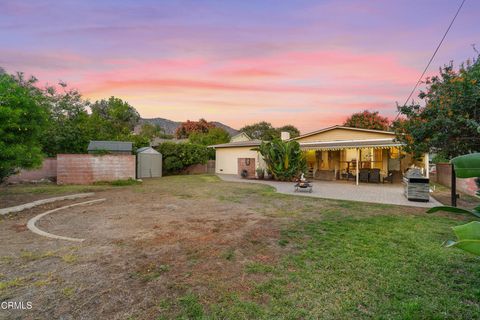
point(151, 131)
point(68, 128)
point(113, 119)
point(211, 137)
point(448, 124)
point(22, 118)
point(178, 156)
point(284, 159)
point(294, 132)
point(368, 120)
point(466, 166)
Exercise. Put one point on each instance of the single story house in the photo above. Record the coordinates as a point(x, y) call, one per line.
point(332, 153)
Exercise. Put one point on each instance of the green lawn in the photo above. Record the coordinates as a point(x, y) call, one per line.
point(309, 258)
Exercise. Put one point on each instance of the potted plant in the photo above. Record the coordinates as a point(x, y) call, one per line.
point(260, 173)
point(269, 175)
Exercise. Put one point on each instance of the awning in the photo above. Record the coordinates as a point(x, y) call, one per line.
point(350, 144)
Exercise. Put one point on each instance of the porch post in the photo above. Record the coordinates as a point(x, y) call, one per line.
point(358, 164)
point(426, 165)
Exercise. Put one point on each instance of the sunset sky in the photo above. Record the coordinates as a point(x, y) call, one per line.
point(307, 63)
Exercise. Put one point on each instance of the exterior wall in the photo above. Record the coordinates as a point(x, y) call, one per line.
point(47, 171)
point(344, 134)
point(247, 164)
point(444, 177)
point(88, 168)
point(226, 160)
point(200, 168)
point(240, 137)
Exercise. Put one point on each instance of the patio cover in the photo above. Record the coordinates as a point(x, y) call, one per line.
point(350, 144)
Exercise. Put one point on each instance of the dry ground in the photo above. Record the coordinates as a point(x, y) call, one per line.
point(197, 247)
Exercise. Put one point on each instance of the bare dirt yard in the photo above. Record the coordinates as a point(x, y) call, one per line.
point(195, 247)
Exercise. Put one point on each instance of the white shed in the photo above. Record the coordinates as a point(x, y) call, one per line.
point(149, 163)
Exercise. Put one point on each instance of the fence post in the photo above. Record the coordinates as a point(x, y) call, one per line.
point(454, 188)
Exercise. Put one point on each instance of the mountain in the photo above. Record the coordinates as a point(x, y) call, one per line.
point(170, 126)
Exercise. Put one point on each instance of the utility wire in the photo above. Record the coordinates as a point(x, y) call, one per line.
point(431, 59)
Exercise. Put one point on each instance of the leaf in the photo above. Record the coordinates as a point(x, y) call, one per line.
point(472, 246)
point(469, 231)
point(447, 209)
point(467, 166)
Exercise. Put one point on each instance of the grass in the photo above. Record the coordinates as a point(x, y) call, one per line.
point(342, 260)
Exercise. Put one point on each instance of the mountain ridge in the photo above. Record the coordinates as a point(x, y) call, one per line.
point(170, 126)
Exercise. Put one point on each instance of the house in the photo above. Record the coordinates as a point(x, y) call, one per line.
point(110, 147)
point(332, 153)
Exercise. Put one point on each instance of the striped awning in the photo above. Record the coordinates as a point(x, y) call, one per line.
point(350, 144)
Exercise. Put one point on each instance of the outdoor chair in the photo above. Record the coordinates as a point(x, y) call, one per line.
point(374, 176)
point(363, 175)
point(388, 178)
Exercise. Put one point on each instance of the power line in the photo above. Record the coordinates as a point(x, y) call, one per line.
point(433, 56)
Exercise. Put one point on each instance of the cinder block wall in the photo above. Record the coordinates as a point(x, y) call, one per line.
point(444, 177)
point(89, 168)
point(46, 171)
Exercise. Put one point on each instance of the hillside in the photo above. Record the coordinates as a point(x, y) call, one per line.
point(170, 126)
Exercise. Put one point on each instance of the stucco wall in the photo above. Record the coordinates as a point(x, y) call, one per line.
point(345, 134)
point(88, 168)
point(226, 159)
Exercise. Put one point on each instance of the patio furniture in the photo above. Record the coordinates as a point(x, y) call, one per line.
point(374, 176)
point(388, 178)
point(363, 175)
point(303, 186)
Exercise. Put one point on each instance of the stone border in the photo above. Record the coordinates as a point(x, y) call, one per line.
point(34, 229)
point(30, 205)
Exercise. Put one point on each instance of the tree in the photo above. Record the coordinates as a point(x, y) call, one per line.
point(448, 123)
point(213, 136)
point(294, 132)
point(261, 130)
point(284, 159)
point(113, 118)
point(22, 118)
point(188, 127)
point(151, 131)
point(68, 129)
point(368, 120)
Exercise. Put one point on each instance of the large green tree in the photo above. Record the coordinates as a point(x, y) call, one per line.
point(213, 136)
point(68, 129)
point(448, 123)
point(262, 130)
point(113, 119)
point(23, 112)
point(368, 120)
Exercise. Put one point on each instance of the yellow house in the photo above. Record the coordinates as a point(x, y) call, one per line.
point(332, 153)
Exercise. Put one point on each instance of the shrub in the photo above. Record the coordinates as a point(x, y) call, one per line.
point(178, 156)
point(284, 159)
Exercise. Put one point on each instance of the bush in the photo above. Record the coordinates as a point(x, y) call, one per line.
point(178, 156)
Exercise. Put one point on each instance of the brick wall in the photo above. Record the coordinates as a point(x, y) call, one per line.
point(48, 170)
point(444, 177)
point(89, 168)
point(247, 164)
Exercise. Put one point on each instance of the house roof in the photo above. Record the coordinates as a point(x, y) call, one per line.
point(350, 144)
point(149, 150)
point(241, 134)
point(110, 145)
point(251, 143)
point(342, 127)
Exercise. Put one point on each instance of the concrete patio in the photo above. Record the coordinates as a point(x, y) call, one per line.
point(344, 190)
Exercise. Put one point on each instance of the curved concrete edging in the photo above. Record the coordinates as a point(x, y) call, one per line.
point(34, 229)
point(44, 201)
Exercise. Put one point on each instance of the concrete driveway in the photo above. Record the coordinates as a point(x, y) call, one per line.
point(344, 190)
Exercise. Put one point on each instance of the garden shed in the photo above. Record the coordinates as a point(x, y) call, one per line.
point(149, 163)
